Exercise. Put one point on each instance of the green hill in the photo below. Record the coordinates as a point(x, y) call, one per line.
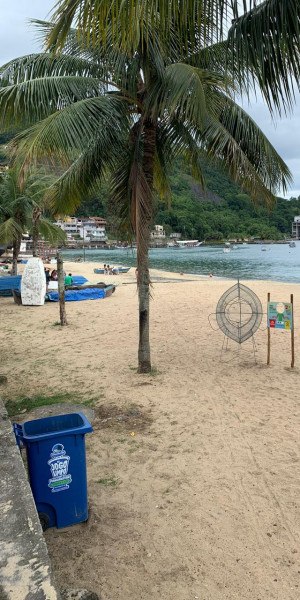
point(220, 211)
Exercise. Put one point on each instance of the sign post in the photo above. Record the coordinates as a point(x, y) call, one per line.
point(269, 336)
point(281, 316)
point(292, 334)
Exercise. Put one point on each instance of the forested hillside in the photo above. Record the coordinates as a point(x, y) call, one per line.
point(220, 211)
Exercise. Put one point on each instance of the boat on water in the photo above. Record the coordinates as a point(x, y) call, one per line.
point(292, 244)
point(129, 248)
point(264, 249)
point(188, 243)
point(115, 270)
point(226, 250)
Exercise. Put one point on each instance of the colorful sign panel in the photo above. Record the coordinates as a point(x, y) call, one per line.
point(280, 315)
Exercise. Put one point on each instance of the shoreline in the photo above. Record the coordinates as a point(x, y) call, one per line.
point(75, 266)
point(88, 267)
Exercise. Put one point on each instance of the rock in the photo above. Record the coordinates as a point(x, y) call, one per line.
point(3, 380)
point(75, 594)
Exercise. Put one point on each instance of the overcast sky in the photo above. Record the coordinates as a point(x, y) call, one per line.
point(17, 37)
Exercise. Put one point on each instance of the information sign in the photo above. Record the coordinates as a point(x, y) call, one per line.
point(280, 315)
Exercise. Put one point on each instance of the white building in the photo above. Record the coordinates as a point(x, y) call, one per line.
point(175, 236)
point(296, 228)
point(158, 232)
point(88, 228)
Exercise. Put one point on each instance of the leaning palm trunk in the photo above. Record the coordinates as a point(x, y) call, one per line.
point(35, 230)
point(16, 252)
point(61, 290)
point(144, 210)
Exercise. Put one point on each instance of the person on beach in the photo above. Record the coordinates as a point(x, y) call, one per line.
point(69, 279)
point(53, 275)
point(47, 276)
point(105, 268)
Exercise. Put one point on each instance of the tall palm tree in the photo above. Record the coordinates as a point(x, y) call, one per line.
point(125, 102)
point(22, 208)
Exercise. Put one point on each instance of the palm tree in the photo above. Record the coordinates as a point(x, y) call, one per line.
point(124, 101)
point(22, 207)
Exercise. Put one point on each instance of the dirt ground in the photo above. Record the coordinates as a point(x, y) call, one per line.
point(194, 471)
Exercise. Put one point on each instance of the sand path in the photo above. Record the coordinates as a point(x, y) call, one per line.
point(203, 501)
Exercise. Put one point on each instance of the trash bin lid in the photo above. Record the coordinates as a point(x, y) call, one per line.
point(50, 427)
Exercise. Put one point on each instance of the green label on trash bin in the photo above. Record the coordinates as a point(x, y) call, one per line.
point(59, 465)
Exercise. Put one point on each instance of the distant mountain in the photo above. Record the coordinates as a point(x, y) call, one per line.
point(222, 210)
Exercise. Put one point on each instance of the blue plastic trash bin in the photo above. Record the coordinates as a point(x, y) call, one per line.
point(57, 467)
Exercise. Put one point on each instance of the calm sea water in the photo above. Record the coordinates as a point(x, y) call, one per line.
point(278, 262)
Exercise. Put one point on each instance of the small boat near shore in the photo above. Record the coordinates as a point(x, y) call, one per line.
point(292, 244)
point(115, 270)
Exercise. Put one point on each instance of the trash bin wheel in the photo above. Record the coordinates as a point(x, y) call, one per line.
point(44, 520)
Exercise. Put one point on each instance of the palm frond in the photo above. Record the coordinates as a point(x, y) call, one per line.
point(258, 178)
point(132, 21)
point(36, 66)
point(95, 162)
point(265, 45)
point(69, 131)
point(33, 100)
point(270, 167)
point(177, 139)
point(10, 229)
point(50, 232)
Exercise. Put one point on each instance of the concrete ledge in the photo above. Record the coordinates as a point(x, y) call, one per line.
point(25, 570)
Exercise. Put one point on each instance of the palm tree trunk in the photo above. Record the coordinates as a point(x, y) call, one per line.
point(16, 252)
point(35, 230)
point(61, 290)
point(143, 225)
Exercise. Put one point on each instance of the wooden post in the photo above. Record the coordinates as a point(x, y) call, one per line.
point(269, 335)
point(61, 290)
point(293, 334)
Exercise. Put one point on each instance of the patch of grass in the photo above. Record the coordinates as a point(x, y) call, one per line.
point(27, 403)
point(109, 481)
point(154, 372)
point(56, 324)
point(88, 402)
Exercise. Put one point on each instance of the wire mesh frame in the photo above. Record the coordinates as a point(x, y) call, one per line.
point(237, 353)
point(239, 313)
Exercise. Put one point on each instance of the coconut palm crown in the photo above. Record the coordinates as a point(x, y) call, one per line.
point(22, 210)
point(127, 112)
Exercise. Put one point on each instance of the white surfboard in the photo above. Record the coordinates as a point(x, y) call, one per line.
point(33, 283)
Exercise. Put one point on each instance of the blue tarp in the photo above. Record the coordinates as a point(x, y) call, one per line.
point(77, 295)
point(78, 279)
point(9, 283)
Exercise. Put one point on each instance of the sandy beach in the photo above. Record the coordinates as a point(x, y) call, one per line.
point(194, 470)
